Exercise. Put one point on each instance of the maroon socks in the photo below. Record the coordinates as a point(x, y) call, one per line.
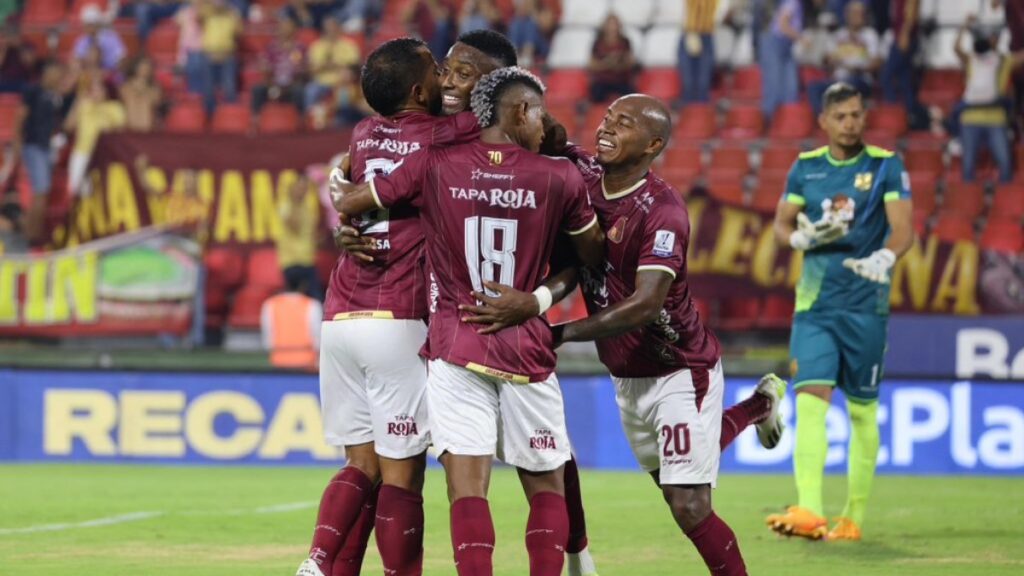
point(738, 417)
point(547, 532)
point(574, 505)
point(472, 537)
point(341, 505)
point(349, 561)
point(399, 527)
point(717, 545)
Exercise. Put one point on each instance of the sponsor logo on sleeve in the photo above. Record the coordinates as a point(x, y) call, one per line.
point(664, 242)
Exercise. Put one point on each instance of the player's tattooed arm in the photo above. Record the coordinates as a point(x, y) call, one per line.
point(642, 307)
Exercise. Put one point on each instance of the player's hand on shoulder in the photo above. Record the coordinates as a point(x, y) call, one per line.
point(347, 238)
point(874, 267)
point(509, 307)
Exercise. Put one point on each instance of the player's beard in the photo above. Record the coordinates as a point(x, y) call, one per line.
point(435, 105)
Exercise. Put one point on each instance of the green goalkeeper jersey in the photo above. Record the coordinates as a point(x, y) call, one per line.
point(858, 187)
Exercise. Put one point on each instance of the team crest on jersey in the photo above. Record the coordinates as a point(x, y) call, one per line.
point(664, 242)
point(616, 232)
point(863, 181)
point(496, 157)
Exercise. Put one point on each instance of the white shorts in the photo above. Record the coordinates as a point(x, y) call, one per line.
point(373, 385)
point(477, 415)
point(674, 424)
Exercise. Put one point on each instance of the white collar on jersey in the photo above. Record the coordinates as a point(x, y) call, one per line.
point(622, 193)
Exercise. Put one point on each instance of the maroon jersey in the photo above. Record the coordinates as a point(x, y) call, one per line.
point(490, 212)
point(647, 228)
point(394, 284)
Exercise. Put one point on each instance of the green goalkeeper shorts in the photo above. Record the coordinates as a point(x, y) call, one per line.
point(837, 347)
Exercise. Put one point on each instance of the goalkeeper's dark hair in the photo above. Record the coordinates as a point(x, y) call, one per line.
point(494, 44)
point(491, 87)
point(837, 94)
point(390, 73)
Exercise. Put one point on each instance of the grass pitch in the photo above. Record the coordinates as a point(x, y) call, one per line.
point(163, 521)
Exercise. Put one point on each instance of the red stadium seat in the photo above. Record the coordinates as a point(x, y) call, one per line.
point(792, 121)
point(595, 115)
point(661, 83)
point(1003, 235)
point(254, 42)
point(921, 221)
point(231, 119)
point(778, 159)
point(567, 85)
point(776, 312)
point(162, 44)
point(1008, 202)
point(729, 163)
point(746, 84)
point(44, 12)
point(215, 296)
point(262, 269)
point(941, 88)
point(744, 121)
point(767, 194)
point(964, 198)
point(306, 36)
point(886, 121)
point(922, 189)
point(696, 122)
point(278, 118)
point(245, 312)
point(728, 191)
point(739, 313)
point(186, 118)
point(682, 162)
point(703, 309)
point(952, 227)
point(924, 160)
point(225, 266)
point(8, 116)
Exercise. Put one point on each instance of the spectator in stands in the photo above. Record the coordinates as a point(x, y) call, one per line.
point(1014, 11)
point(18, 65)
point(149, 12)
point(983, 115)
point(331, 59)
point(353, 14)
point(141, 96)
point(433, 21)
point(528, 30)
point(853, 55)
point(221, 27)
point(97, 34)
point(290, 328)
point(351, 103)
point(12, 234)
point(898, 73)
point(284, 68)
point(299, 211)
point(92, 115)
point(780, 81)
point(190, 46)
point(479, 15)
point(611, 62)
point(697, 51)
point(44, 107)
point(300, 14)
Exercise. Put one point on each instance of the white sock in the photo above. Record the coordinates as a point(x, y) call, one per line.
point(581, 564)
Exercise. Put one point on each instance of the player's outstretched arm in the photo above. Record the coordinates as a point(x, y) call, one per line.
point(642, 307)
point(875, 267)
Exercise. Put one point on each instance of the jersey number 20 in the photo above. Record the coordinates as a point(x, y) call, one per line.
point(490, 251)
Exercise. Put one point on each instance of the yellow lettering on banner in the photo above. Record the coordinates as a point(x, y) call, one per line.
point(763, 270)
point(297, 427)
point(697, 259)
point(207, 187)
point(957, 288)
point(232, 220)
point(266, 224)
point(74, 280)
point(156, 199)
point(735, 243)
point(9, 272)
point(36, 303)
point(151, 423)
point(121, 206)
point(915, 270)
point(86, 415)
point(200, 418)
point(91, 220)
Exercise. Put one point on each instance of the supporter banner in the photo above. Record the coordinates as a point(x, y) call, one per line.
point(238, 179)
point(733, 253)
point(927, 427)
point(943, 346)
point(131, 284)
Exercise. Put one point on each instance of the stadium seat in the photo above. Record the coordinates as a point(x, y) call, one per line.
point(669, 13)
point(744, 121)
point(776, 159)
point(696, 122)
point(162, 44)
point(886, 121)
point(1003, 235)
point(306, 36)
point(703, 309)
point(964, 198)
point(44, 12)
point(682, 163)
point(231, 119)
point(776, 311)
point(589, 13)
point(8, 115)
point(767, 194)
point(922, 189)
point(792, 121)
point(942, 88)
point(923, 160)
point(746, 84)
point(921, 218)
point(637, 13)
point(262, 269)
point(657, 50)
point(662, 83)
point(225, 266)
point(729, 191)
point(952, 227)
point(255, 41)
point(278, 118)
point(567, 85)
point(571, 48)
point(729, 164)
point(245, 311)
point(1008, 202)
point(187, 117)
point(215, 297)
point(739, 313)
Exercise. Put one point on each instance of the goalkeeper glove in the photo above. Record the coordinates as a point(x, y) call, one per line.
point(814, 234)
point(875, 267)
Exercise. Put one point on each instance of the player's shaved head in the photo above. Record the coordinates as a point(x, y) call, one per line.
point(635, 130)
point(656, 116)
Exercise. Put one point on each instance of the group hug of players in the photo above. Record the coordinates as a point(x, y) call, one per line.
point(462, 203)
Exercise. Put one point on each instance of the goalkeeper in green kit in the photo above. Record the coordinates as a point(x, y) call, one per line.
point(847, 207)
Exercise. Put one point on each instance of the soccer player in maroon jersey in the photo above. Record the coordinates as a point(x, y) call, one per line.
point(492, 210)
point(373, 381)
point(665, 364)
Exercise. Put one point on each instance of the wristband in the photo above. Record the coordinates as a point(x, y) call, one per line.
point(544, 299)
